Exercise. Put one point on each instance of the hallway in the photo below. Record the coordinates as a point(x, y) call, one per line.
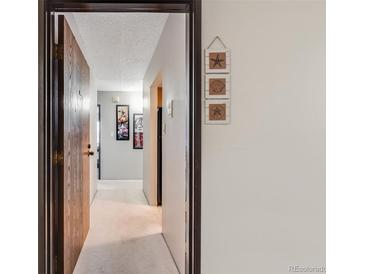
point(125, 234)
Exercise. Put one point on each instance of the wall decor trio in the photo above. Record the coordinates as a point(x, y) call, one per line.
point(217, 83)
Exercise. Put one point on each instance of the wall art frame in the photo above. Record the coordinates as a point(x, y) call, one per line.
point(217, 86)
point(217, 60)
point(122, 122)
point(138, 131)
point(217, 112)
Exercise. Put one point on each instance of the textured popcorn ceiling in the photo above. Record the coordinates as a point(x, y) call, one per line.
point(120, 46)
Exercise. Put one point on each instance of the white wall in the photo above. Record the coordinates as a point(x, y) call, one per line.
point(263, 176)
point(168, 62)
point(119, 161)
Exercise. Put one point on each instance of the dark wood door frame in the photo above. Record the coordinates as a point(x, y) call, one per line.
point(98, 149)
point(46, 222)
point(159, 156)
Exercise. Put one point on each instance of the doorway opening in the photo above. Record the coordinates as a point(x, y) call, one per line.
point(51, 153)
point(73, 88)
point(159, 145)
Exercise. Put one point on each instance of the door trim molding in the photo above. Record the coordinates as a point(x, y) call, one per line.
point(45, 204)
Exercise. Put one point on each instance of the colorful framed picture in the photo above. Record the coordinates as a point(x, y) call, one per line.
point(138, 131)
point(217, 86)
point(122, 122)
point(217, 61)
point(217, 111)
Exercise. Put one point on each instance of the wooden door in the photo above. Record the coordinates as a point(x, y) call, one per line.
point(73, 78)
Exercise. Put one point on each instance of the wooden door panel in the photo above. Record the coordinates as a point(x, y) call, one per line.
point(76, 181)
point(85, 89)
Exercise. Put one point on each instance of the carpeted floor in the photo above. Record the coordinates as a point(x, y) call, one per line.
point(125, 234)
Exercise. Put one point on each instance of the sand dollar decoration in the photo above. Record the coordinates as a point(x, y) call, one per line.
point(217, 83)
point(217, 86)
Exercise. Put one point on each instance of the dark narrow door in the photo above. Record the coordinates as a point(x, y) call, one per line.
point(71, 114)
point(159, 156)
point(98, 142)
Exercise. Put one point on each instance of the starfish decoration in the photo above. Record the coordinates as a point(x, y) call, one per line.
point(217, 61)
point(217, 112)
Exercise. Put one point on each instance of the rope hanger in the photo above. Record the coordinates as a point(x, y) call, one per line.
point(215, 39)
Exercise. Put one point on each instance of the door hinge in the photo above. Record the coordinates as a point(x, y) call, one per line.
point(58, 52)
point(57, 158)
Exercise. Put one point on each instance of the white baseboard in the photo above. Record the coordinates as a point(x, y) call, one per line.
point(93, 195)
point(119, 181)
point(115, 184)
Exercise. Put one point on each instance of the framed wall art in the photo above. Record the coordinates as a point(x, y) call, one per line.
point(217, 86)
point(122, 122)
point(217, 60)
point(138, 131)
point(217, 111)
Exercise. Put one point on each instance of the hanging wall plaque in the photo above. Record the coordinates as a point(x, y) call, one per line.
point(217, 60)
point(217, 88)
point(217, 111)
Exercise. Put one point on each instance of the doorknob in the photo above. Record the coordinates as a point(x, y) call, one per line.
point(90, 153)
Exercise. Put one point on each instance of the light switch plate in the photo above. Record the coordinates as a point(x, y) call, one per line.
point(170, 108)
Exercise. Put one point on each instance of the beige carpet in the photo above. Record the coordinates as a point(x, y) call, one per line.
point(125, 234)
